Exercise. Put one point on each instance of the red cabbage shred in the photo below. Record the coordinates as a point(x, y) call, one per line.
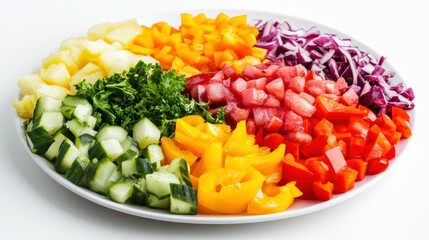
point(332, 57)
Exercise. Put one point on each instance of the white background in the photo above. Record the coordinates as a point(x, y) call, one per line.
point(33, 206)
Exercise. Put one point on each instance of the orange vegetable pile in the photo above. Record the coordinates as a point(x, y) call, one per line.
point(201, 44)
point(232, 174)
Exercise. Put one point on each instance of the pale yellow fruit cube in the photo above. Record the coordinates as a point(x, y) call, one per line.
point(134, 59)
point(98, 31)
point(90, 72)
point(124, 36)
point(25, 106)
point(76, 50)
point(93, 49)
point(115, 62)
point(62, 56)
point(56, 74)
point(54, 91)
point(28, 83)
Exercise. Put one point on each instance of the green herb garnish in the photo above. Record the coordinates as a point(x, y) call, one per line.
point(144, 91)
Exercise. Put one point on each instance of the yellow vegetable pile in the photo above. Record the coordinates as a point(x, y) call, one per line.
point(231, 173)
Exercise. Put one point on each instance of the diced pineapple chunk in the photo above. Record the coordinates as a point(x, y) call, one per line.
point(28, 83)
point(134, 59)
point(53, 91)
point(62, 56)
point(115, 62)
point(95, 48)
point(25, 106)
point(98, 31)
point(124, 36)
point(56, 74)
point(75, 48)
point(90, 72)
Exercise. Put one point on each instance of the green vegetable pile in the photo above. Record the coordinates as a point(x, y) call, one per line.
point(143, 91)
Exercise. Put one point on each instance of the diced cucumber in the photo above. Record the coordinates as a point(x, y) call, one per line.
point(106, 149)
point(180, 168)
point(39, 140)
point(67, 153)
point(183, 199)
point(140, 191)
point(112, 132)
point(136, 166)
point(120, 192)
point(158, 183)
point(55, 146)
point(78, 128)
point(155, 155)
point(130, 143)
point(84, 142)
point(51, 121)
point(46, 104)
point(156, 202)
point(115, 176)
point(145, 133)
point(76, 173)
point(127, 155)
point(98, 174)
point(67, 111)
point(73, 100)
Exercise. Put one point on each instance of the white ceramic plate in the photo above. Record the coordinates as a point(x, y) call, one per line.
point(299, 207)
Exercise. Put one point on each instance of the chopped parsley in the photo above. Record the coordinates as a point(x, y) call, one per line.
point(143, 91)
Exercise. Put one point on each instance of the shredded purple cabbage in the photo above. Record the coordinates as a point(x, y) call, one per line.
point(332, 57)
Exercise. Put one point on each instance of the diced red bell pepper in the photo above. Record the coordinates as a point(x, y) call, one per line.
point(356, 147)
point(272, 140)
point(359, 165)
point(323, 127)
point(318, 167)
point(403, 126)
point(369, 115)
point(295, 171)
point(377, 165)
point(345, 180)
point(358, 127)
point(378, 149)
point(323, 191)
point(314, 148)
point(293, 148)
point(336, 159)
point(400, 112)
point(335, 111)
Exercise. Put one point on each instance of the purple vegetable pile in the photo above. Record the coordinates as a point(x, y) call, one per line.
point(332, 57)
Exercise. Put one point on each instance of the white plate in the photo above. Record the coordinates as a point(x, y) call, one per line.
point(299, 207)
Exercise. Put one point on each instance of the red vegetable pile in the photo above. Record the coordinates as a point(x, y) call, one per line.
point(332, 57)
point(331, 140)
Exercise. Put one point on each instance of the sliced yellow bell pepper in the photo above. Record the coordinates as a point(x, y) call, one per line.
point(228, 191)
point(265, 203)
point(172, 151)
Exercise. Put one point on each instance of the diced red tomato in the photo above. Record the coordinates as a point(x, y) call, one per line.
point(215, 93)
point(253, 97)
point(238, 86)
point(276, 88)
point(316, 87)
point(263, 115)
point(350, 98)
point(286, 73)
point(272, 101)
point(297, 84)
point(258, 83)
point(298, 104)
